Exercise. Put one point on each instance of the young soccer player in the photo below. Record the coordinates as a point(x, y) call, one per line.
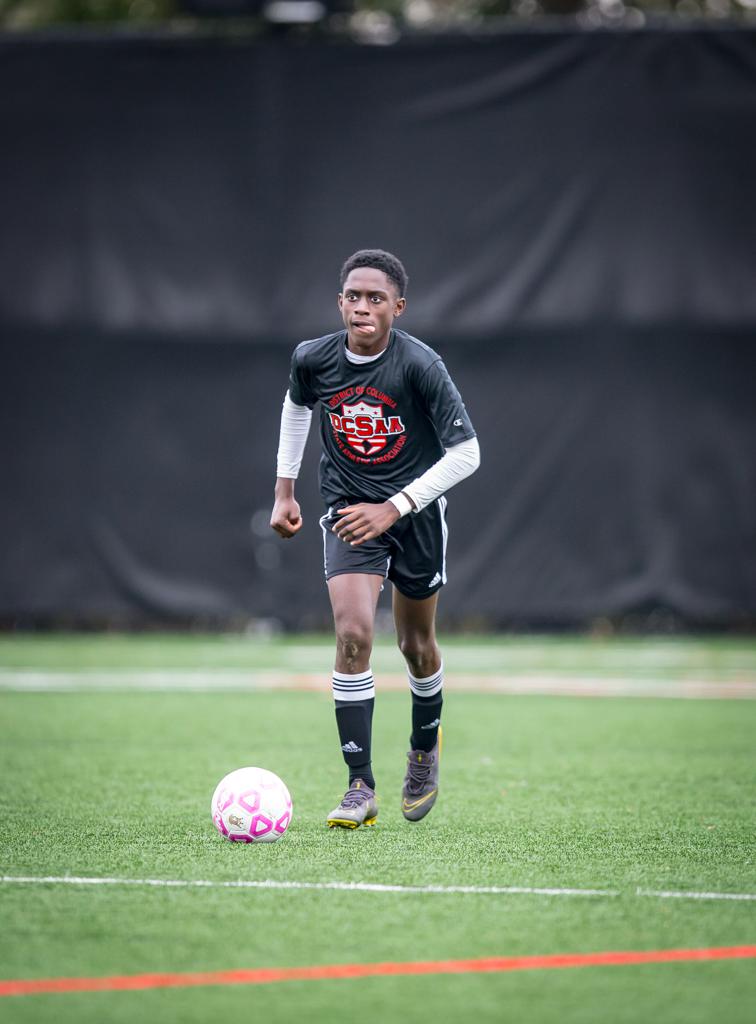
point(395, 437)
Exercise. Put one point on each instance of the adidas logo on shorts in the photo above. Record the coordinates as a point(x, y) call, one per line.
point(436, 579)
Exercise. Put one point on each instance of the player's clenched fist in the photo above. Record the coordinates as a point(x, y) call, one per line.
point(286, 518)
point(362, 522)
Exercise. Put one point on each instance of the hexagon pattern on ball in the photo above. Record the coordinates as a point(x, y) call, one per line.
point(251, 805)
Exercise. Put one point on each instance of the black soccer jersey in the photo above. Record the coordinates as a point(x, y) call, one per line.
point(382, 423)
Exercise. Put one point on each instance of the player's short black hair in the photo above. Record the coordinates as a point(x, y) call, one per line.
point(379, 259)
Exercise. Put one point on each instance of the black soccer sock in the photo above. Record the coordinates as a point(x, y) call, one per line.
point(354, 719)
point(426, 718)
point(427, 701)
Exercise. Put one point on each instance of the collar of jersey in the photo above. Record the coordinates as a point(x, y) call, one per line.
point(361, 360)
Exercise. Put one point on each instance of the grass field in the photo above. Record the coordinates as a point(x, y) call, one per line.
point(637, 813)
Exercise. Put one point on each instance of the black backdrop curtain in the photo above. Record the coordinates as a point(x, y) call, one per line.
point(576, 213)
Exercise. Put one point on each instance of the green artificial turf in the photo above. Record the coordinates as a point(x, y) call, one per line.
point(616, 794)
point(631, 657)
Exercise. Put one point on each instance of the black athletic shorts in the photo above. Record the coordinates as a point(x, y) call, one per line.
point(412, 553)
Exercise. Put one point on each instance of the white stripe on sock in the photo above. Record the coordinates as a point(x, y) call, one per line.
point(359, 686)
point(428, 686)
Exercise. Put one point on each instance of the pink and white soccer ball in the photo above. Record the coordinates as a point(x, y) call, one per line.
point(251, 805)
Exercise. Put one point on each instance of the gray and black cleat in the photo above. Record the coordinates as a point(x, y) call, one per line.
point(359, 807)
point(420, 787)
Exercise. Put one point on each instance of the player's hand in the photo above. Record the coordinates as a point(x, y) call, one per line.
point(362, 522)
point(286, 518)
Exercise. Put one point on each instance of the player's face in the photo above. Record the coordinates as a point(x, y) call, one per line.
point(368, 304)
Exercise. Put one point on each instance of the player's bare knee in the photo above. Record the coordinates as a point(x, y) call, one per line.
point(421, 654)
point(354, 644)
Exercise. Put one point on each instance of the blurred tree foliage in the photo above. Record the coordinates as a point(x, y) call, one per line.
point(22, 14)
point(380, 19)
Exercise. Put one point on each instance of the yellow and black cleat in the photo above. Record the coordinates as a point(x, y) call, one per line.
point(420, 788)
point(359, 807)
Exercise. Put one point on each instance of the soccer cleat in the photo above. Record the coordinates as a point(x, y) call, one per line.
point(359, 807)
point(420, 787)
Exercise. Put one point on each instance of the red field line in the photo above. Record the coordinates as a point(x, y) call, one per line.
point(266, 975)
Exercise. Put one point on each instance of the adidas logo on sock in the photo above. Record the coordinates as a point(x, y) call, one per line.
point(430, 725)
point(351, 748)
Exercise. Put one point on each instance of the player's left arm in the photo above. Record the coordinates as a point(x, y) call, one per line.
point(365, 521)
point(446, 410)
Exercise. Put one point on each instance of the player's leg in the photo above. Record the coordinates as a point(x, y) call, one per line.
point(415, 622)
point(354, 597)
point(416, 634)
point(355, 576)
point(418, 571)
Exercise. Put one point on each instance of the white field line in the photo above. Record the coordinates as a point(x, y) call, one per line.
point(207, 681)
point(661, 895)
point(425, 890)
point(435, 890)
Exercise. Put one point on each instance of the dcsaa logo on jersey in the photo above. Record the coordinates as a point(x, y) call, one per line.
point(365, 426)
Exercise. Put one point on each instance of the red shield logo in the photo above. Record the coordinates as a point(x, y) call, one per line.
point(362, 423)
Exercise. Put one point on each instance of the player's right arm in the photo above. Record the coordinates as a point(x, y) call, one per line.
point(286, 518)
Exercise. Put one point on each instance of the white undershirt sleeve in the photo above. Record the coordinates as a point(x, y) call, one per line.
point(454, 465)
point(295, 426)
